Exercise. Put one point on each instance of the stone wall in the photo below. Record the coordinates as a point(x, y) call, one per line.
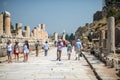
point(3, 41)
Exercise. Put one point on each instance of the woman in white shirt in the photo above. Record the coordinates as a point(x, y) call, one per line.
point(9, 51)
point(26, 51)
point(46, 48)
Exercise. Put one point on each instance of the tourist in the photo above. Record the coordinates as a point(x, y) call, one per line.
point(78, 47)
point(69, 50)
point(59, 49)
point(46, 48)
point(9, 51)
point(26, 51)
point(37, 48)
point(16, 51)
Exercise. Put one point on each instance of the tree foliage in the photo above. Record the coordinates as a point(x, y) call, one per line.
point(70, 37)
point(89, 37)
point(11, 26)
point(67, 37)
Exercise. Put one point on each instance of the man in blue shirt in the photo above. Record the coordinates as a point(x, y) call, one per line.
point(78, 46)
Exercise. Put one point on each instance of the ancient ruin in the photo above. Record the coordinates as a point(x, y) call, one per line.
point(103, 34)
point(6, 33)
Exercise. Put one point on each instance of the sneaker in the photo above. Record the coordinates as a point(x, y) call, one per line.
point(59, 59)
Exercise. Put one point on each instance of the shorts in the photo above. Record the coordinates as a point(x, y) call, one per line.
point(26, 51)
point(59, 51)
point(69, 52)
point(16, 53)
point(9, 52)
point(78, 51)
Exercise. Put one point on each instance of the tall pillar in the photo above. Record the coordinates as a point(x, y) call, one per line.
point(19, 29)
point(27, 29)
point(56, 36)
point(63, 35)
point(31, 34)
point(111, 34)
point(37, 33)
point(7, 23)
point(103, 39)
point(43, 27)
point(34, 33)
point(1, 24)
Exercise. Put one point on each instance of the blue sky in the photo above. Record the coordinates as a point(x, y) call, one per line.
point(57, 15)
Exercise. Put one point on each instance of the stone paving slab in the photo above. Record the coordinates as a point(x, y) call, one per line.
point(47, 68)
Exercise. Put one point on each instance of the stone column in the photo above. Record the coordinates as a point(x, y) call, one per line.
point(111, 35)
point(7, 23)
point(43, 27)
point(63, 36)
point(19, 29)
point(1, 24)
point(34, 33)
point(56, 36)
point(45, 36)
point(103, 38)
point(31, 34)
point(27, 34)
point(37, 33)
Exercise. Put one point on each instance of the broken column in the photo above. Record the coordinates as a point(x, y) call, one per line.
point(34, 33)
point(43, 27)
point(37, 33)
point(111, 35)
point(27, 29)
point(7, 23)
point(111, 41)
point(56, 36)
point(63, 35)
point(19, 29)
point(1, 24)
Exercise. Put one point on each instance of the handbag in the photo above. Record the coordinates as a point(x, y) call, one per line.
point(80, 54)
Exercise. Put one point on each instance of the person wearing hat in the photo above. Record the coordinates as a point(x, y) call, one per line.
point(16, 51)
point(78, 47)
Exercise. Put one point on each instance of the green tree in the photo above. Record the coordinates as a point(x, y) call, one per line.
point(11, 26)
point(89, 37)
point(67, 37)
point(72, 37)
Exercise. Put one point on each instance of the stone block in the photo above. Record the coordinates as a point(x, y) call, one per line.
point(3, 53)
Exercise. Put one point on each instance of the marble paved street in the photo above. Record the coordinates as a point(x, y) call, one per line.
point(47, 68)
